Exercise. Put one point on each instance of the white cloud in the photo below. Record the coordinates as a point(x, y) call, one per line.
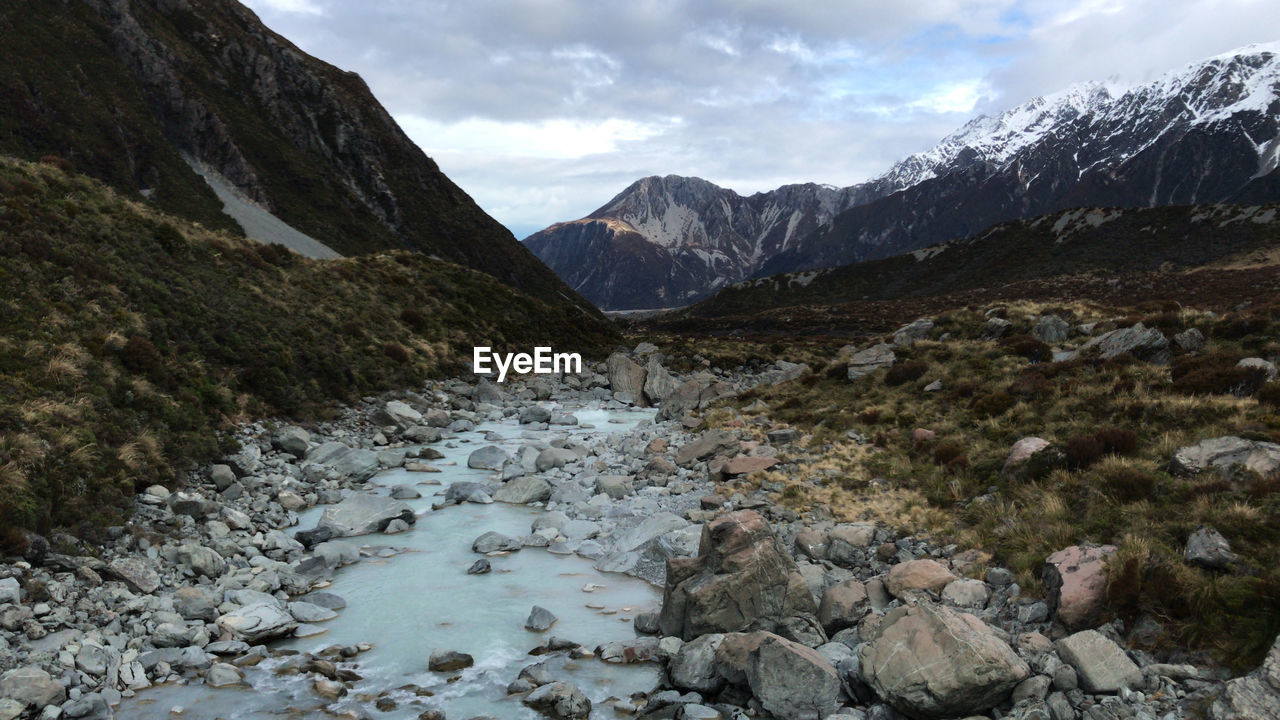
point(543, 110)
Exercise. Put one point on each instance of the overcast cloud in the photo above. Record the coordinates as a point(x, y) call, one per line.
point(543, 110)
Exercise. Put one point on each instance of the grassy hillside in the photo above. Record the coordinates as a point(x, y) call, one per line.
point(1116, 424)
point(128, 337)
point(123, 91)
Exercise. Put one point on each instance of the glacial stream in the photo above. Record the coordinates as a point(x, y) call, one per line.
point(422, 599)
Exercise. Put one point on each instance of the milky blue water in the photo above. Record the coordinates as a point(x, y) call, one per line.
point(422, 600)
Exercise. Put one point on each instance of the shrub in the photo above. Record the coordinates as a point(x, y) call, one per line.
point(994, 404)
point(1117, 441)
point(414, 319)
point(1030, 386)
point(1269, 394)
point(1027, 347)
point(140, 355)
point(1128, 484)
point(396, 352)
point(870, 416)
point(904, 373)
point(1236, 327)
point(1215, 374)
point(951, 456)
point(1083, 451)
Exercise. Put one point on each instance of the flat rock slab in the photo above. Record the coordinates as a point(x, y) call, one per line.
point(361, 514)
point(746, 464)
point(1227, 453)
point(1102, 666)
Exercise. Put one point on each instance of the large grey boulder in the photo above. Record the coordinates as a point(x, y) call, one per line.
point(643, 550)
point(559, 700)
point(293, 440)
point(865, 362)
point(486, 392)
point(258, 621)
point(913, 331)
point(741, 580)
point(933, 662)
point(490, 457)
point(1144, 343)
point(32, 687)
point(1226, 454)
point(614, 486)
point(1100, 664)
point(1266, 367)
point(694, 666)
point(683, 400)
point(658, 383)
point(202, 560)
point(1256, 695)
point(1051, 329)
point(843, 605)
point(196, 602)
point(136, 573)
point(1207, 548)
point(495, 542)
point(554, 458)
point(523, 490)
point(361, 514)
point(398, 414)
point(540, 619)
point(625, 376)
point(354, 463)
point(791, 681)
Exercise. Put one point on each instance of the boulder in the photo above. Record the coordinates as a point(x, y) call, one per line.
point(486, 392)
point(559, 700)
point(449, 660)
point(32, 687)
point(1021, 452)
point(220, 675)
point(843, 605)
point(658, 383)
point(495, 542)
point(354, 463)
point(708, 444)
point(933, 662)
point(742, 579)
point(694, 666)
point(523, 490)
point(554, 458)
point(625, 376)
point(643, 550)
point(1207, 548)
point(1051, 329)
point(361, 514)
point(791, 681)
point(1266, 367)
point(995, 328)
point(221, 476)
point(913, 331)
point(397, 414)
point(614, 486)
point(1075, 583)
point(923, 574)
point(1191, 340)
point(540, 619)
point(1256, 695)
point(1226, 454)
point(530, 414)
point(203, 561)
point(1101, 665)
point(967, 593)
point(747, 464)
point(490, 457)
point(1144, 343)
point(868, 361)
point(683, 400)
point(293, 440)
point(196, 602)
point(258, 621)
point(136, 573)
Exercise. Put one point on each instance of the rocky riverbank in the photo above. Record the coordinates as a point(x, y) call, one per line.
point(766, 611)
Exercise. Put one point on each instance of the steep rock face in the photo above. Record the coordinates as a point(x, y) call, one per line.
point(1206, 133)
point(131, 91)
point(668, 241)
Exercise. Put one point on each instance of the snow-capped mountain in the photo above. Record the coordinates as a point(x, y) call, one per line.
point(1204, 133)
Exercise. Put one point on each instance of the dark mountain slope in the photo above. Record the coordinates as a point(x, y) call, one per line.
point(125, 90)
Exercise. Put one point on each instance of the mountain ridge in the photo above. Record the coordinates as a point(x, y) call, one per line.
point(1091, 144)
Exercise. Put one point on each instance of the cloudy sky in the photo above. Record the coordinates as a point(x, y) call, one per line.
point(544, 109)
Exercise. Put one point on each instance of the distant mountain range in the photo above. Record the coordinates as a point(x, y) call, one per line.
point(1205, 133)
point(147, 95)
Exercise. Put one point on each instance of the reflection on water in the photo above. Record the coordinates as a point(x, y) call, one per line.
point(422, 600)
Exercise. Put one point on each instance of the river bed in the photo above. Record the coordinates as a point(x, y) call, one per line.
point(420, 600)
